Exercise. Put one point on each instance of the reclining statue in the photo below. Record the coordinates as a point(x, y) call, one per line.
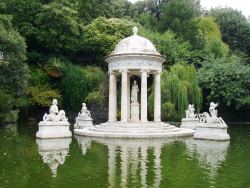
point(54, 114)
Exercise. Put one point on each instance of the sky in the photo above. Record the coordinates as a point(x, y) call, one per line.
point(242, 5)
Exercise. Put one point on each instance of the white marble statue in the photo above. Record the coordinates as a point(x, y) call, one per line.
point(54, 113)
point(211, 118)
point(83, 120)
point(85, 113)
point(190, 111)
point(211, 127)
point(134, 92)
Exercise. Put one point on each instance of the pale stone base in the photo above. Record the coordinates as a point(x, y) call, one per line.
point(134, 130)
point(83, 123)
point(211, 132)
point(51, 129)
point(189, 123)
point(135, 112)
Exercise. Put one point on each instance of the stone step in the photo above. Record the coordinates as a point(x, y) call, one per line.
point(178, 133)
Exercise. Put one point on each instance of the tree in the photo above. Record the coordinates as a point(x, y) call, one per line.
point(179, 16)
point(175, 49)
point(101, 36)
point(77, 83)
point(13, 69)
point(58, 28)
point(179, 87)
point(227, 81)
point(234, 27)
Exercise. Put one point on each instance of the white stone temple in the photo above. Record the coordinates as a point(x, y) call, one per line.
point(134, 56)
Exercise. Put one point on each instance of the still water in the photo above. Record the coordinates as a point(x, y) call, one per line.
point(86, 162)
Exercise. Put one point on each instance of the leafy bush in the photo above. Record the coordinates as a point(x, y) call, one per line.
point(77, 83)
point(226, 80)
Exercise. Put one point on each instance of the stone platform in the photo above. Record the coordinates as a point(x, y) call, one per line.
point(206, 131)
point(134, 130)
point(189, 123)
point(50, 129)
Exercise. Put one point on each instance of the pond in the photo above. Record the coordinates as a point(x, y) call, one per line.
point(86, 162)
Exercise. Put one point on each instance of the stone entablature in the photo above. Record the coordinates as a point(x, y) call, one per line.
point(135, 62)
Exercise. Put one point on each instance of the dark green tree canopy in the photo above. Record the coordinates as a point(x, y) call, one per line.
point(234, 27)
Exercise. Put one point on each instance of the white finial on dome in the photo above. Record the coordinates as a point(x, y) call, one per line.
point(135, 30)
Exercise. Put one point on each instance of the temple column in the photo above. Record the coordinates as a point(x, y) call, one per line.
point(112, 96)
point(124, 97)
point(157, 97)
point(129, 117)
point(144, 102)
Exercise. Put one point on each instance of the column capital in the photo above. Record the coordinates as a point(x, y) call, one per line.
point(144, 70)
point(158, 72)
point(123, 70)
point(111, 72)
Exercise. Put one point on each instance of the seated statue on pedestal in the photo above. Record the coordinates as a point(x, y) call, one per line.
point(85, 113)
point(54, 114)
point(190, 111)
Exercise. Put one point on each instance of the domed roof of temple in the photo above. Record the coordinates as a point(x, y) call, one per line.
point(135, 45)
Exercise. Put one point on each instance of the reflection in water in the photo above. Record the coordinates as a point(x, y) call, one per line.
point(53, 152)
point(212, 153)
point(84, 143)
point(131, 159)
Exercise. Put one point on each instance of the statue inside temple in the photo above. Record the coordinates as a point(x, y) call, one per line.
point(134, 92)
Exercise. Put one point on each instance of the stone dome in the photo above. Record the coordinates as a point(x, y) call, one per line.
point(135, 45)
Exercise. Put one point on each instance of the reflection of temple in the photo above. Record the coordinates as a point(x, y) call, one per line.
point(53, 152)
point(211, 153)
point(128, 160)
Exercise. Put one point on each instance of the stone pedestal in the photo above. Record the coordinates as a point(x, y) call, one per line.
point(135, 112)
point(82, 123)
point(208, 131)
point(53, 129)
point(189, 123)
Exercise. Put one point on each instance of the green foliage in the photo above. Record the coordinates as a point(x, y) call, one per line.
point(174, 49)
point(227, 81)
point(101, 35)
point(6, 102)
point(209, 38)
point(58, 28)
point(95, 97)
point(40, 91)
point(208, 27)
point(179, 16)
point(234, 27)
point(13, 70)
point(77, 83)
point(179, 87)
point(42, 95)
